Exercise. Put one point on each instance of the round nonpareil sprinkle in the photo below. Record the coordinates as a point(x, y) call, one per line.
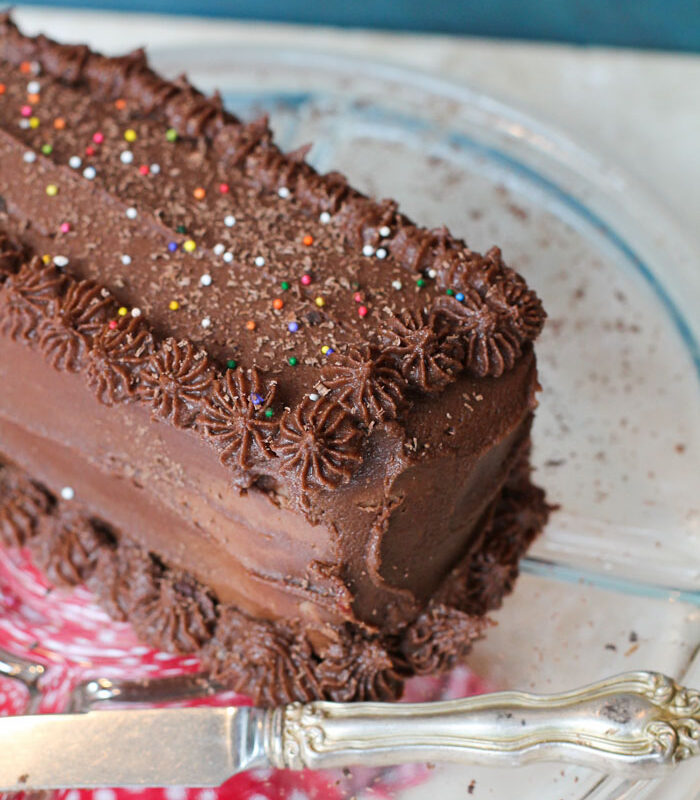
point(34, 122)
point(420, 283)
point(26, 111)
point(3, 88)
point(250, 325)
point(199, 193)
point(171, 135)
point(293, 327)
point(123, 311)
point(52, 190)
point(98, 137)
point(46, 149)
point(143, 169)
point(459, 297)
point(285, 285)
point(173, 305)
point(450, 292)
point(206, 322)
point(131, 213)
point(305, 279)
point(432, 273)
point(189, 246)
point(269, 412)
point(325, 349)
point(135, 312)
point(172, 246)
point(113, 324)
point(259, 261)
point(283, 192)
point(126, 157)
point(65, 227)
point(120, 104)
point(181, 229)
point(231, 363)
point(155, 169)
point(68, 493)
point(75, 162)
point(357, 297)
point(385, 231)
point(89, 173)
point(324, 218)
point(368, 250)
point(205, 280)
point(126, 260)
point(24, 124)
point(320, 302)
point(229, 221)
point(29, 157)
point(59, 124)
point(219, 249)
point(381, 252)
point(130, 135)
point(89, 150)
point(228, 257)
point(397, 285)
point(278, 303)
point(363, 311)
point(60, 261)
point(33, 87)
point(293, 361)
point(33, 99)
point(313, 397)
point(224, 188)
point(308, 240)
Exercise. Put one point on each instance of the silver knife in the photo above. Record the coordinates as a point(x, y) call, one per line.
point(641, 723)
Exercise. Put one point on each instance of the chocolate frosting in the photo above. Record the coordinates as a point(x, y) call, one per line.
point(273, 662)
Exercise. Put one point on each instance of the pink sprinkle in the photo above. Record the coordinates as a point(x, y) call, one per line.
point(143, 169)
point(26, 111)
point(65, 227)
point(362, 311)
point(224, 188)
point(306, 279)
point(357, 297)
point(112, 324)
point(98, 137)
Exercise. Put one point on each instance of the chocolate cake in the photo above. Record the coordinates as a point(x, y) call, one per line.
point(266, 419)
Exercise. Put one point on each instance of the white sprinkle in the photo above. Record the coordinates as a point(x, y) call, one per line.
point(126, 157)
point(205, 280)
point(89, 173)
point(29, 157)
point(131, 213)
point(219, 249)
point(432, 273)
point(33, 87)
point(155, 169)
point(397, 285)
point(67, 493)
point(381, 253)
point(368, 250)
point(135, 312)
point(228, 257)
point(126, 260)
point(325, 217)
point(385, 230)
point(283, 192)
point(206, 322)
point(75, 162)
point(24, 124)
point(313, 397)
point(60, 261)
point(259, 261)
point(229, 221)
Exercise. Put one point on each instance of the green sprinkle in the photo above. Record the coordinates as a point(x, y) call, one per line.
point(46, 149)
point(450, 292)
point(171, 135)
point(269, 413)
point(231, 364)
point(181, 229)
point(293, 361)
point(420, 283)
point(284, 285)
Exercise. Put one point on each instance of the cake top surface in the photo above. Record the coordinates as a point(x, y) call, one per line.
point(263, 292)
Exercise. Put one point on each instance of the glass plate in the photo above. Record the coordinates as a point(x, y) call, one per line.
point(614, 583)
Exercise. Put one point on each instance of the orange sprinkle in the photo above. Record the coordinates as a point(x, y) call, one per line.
point(199, 193)
point(59, 123)
point(250, 325)
point(308, 240)
point(278, 303)
point(33, 99)
point(3, 88)
point(120, 104)
point(25, 67)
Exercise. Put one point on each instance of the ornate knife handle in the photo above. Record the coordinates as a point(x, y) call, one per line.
point(641, 722)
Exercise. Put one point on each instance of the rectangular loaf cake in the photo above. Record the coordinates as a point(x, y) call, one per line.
point(267, 419)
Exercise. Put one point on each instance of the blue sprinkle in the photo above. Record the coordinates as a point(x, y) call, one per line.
point(293, 327)
point(257, 399)
point(329, 352)
point(459, 297)
point(172, 246)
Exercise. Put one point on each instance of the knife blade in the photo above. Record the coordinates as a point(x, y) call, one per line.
point(200, 746)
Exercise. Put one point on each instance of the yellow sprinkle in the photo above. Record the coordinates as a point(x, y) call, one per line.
point(46, 258)
point(174, 305)
point(123, 311)
point(189, 246)
point(52, 190)
point(325, 349)
point(33, 122)
point(130, 135)
point(320, 302)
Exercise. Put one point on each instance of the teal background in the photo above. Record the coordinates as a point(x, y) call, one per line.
point(664, 24)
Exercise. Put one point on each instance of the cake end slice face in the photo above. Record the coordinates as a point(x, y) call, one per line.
point(266, 419)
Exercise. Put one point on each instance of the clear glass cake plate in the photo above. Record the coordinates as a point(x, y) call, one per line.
point(614, 582)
